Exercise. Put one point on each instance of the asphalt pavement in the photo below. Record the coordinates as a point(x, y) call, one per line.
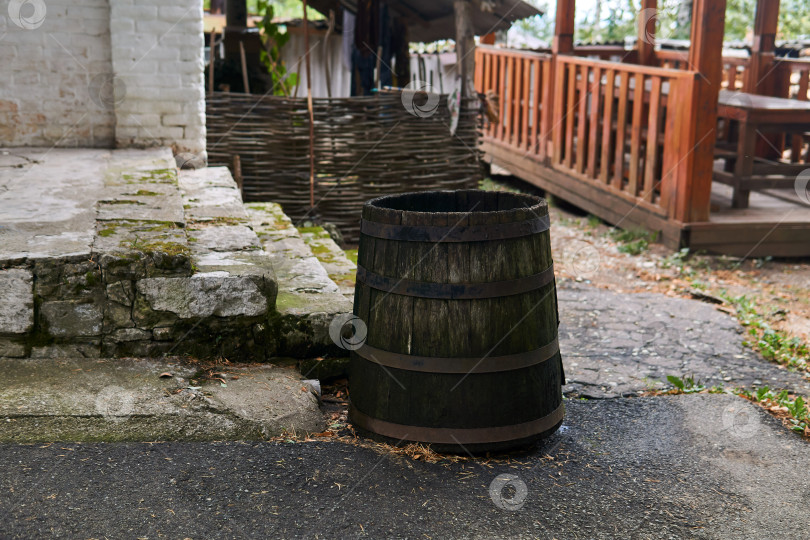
point(695, 466)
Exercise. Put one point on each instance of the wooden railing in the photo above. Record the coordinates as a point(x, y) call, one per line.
point(672, 59)
point(520, 82)
point(733, 66)
point(612, 126)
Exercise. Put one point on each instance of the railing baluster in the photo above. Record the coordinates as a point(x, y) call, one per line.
point(546, 110)
point(607, 126)
point(504, 96)
point(595, 91)
point(582, 118)
point(517, 81)
point(536, 105)
point(621, 130)
point(557, 114)
point(652, 140)
point(570, 112)
point(527, 74)
point(635, 135)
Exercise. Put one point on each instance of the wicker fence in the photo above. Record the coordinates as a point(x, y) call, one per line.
point(364, 147)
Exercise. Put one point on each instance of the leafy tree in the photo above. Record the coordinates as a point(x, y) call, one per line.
point(273, 40)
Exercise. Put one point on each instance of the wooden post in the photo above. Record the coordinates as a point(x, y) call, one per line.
point(237, 173)
point(310, 110)
point(694, 178)
point(563, 43)
point(235, 24)
point(465, 45)
point(488, 39)
point(759, 75)
point(645, 44)
point(762, 76)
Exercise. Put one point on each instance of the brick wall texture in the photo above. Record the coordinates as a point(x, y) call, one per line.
point(102, 73)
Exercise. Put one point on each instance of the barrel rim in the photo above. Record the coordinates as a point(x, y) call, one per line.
point(535, 205)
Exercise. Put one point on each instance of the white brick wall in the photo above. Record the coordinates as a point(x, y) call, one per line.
point(103, 72)
point(164, 100)
point(46, 95)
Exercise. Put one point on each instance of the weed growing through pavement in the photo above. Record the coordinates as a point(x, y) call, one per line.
point(774, 345)
point(793, 410)
point(686, 385)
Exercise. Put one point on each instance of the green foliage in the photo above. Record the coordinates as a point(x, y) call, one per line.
point(633, 241)
point(774, 345)
point(273, 39)
point(613, 20)
point(686, 385)
point(796, 407)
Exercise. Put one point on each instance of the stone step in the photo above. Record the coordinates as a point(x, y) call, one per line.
point(338, 266)
point(308, 298)
point(132, 258)
point(108, 254)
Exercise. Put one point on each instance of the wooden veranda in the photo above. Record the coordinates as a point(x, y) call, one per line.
point(634, 136)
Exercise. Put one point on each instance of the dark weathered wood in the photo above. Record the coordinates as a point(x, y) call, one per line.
point(465, 44)
point(482, 327)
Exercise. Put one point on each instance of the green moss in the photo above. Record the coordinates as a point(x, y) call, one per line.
point(304, 230)
point(169, 248)
point(348, 277)
point(351, 254)
point(219, 221)
point(109, 231)
point(145, 193)
point(92, 279)
point(320, 249)
point(123, 201)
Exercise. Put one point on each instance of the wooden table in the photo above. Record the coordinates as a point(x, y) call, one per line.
point(758, 115)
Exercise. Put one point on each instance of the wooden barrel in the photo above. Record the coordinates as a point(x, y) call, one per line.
point(457, 293)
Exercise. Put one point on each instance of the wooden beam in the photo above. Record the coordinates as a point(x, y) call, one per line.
point(705, 56)
point(563, 42)
point(758, 78)
point(465, 45)
point(645, 45)
point(488, 39)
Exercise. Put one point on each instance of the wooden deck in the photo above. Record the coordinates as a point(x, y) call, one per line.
point(602, 136)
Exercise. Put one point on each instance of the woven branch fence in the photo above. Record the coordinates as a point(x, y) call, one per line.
point(364, 147)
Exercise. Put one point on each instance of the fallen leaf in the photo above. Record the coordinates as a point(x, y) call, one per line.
point(165, 375)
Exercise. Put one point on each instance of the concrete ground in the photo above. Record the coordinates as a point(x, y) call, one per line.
point(696, 466)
